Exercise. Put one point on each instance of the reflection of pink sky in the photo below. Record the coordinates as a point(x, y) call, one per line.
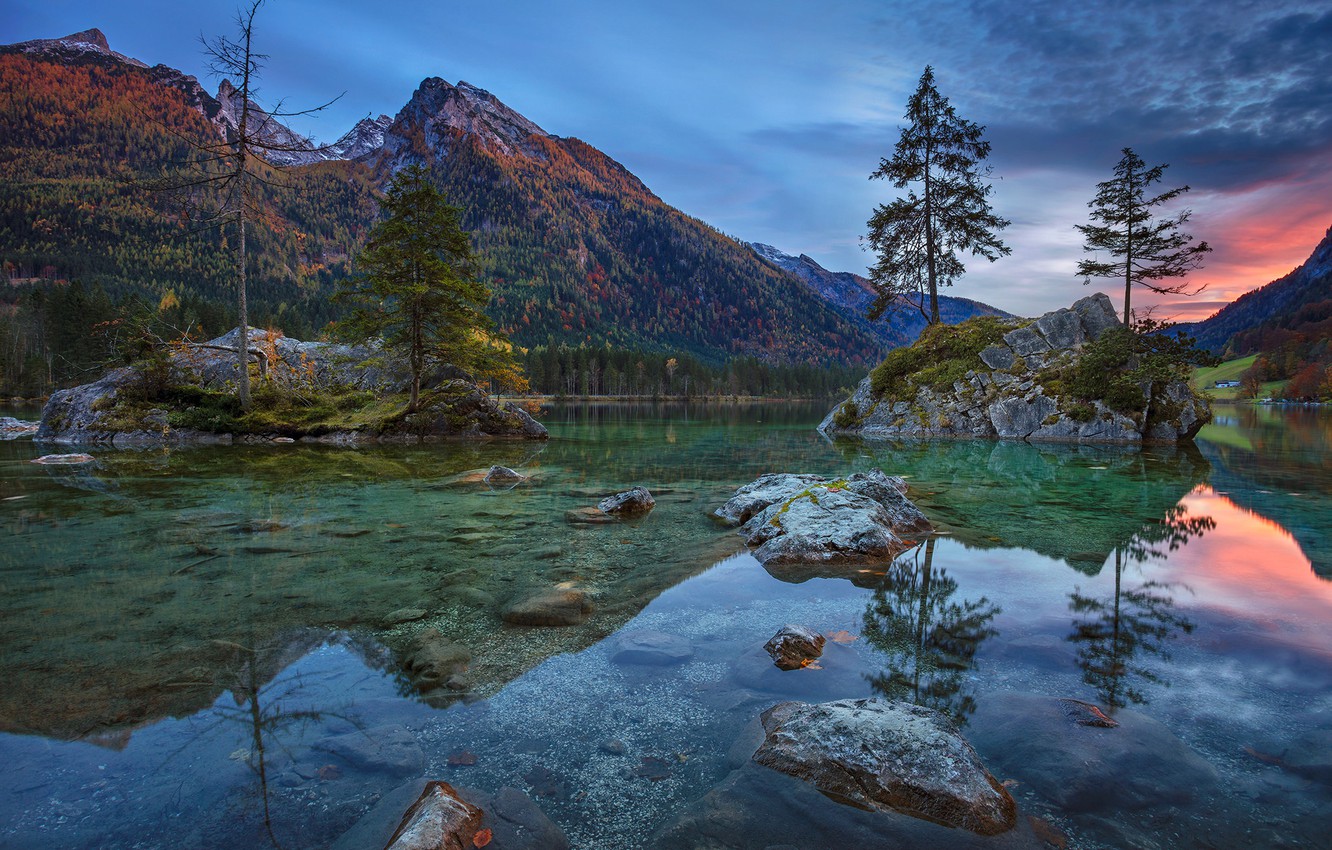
point(1253, 570)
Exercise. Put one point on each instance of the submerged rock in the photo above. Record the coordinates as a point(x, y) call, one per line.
point(891, 756)
point(795, 519)
point(588, 516)
point(1136, 764)
point(434, 661)
point(634, 502)
point(63, 460)
point(383, 749)
point(438, 820)
point(11, 428)
point(503, 476)
point(552, 607)
point(794, 647)
point(651, 648)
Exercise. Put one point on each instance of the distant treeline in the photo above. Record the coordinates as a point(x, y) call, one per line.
point(58, 335)
point(593, 371)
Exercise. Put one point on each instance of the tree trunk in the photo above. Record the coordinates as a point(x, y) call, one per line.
point(243, 324)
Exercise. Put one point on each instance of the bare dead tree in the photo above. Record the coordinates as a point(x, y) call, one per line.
point(223, 181)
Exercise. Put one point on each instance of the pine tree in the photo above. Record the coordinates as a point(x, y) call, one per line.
point(416, 291)
point(1149, 251)
point(918, 238)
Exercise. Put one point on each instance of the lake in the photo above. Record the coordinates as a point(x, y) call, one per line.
point(222, 647)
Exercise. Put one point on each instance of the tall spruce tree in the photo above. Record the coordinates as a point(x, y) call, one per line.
point(1148, 252)
point(918, 237)
point(416, 291)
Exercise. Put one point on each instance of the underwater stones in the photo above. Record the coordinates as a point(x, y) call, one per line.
point(633, 502)
point(651, 647)
point(384, 749)
point(514, 821)
point(794, 647)
point(588, 516)
point(404, 615)
point(503, 476)
point(1138, 764)
point(63, 460)
point(438, 820)
point(1086, 714)
point(552, 607)
point(434, 661)
point(890, 756)
point(1310, 756)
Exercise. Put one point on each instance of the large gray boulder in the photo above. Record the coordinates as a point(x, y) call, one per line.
point(1008, 394)
point(793, 519)
point(890, 756)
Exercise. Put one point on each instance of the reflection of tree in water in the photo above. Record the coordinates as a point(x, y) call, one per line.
point(1115, 635)
point(264, 700)
point(929, 639)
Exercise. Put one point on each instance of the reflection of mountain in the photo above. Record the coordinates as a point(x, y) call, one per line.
point(1073, 503)
point(1274, 463)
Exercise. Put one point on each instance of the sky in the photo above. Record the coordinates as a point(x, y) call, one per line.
point(765, 118)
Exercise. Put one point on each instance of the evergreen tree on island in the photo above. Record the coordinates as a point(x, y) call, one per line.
point(918, 238)
point(417, 292)
point(1149, 253)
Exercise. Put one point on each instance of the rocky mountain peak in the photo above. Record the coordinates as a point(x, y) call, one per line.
point(442, 110)
point(90, 41)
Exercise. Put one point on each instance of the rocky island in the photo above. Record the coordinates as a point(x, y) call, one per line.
point(307, 391)
point(1075, 374)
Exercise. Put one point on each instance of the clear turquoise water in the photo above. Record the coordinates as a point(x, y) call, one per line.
point(186, 638)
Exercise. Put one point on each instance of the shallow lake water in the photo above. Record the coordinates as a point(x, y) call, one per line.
point(209, 647)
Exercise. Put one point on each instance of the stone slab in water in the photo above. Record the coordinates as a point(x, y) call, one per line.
point(892, 756)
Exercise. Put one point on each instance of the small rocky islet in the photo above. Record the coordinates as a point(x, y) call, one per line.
point(186, 399)
point(1016, 387)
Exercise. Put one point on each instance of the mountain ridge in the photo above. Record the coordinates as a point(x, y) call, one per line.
point(575, 247)
point(851, 295)
point(1300, 298)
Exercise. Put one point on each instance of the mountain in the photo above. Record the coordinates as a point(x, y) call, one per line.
point(851, 295)
point(575, 247)
point(1265, 318)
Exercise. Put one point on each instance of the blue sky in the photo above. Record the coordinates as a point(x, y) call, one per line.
point(766, 118)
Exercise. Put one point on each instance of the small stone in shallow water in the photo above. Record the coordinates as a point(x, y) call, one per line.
point(794, 647)
point(503, 475)
point(633, 502)
point(438, 820)
point(553, 607)
point(588, 516)
point(404, 615)
point(613, 747)
point(1086, 714)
